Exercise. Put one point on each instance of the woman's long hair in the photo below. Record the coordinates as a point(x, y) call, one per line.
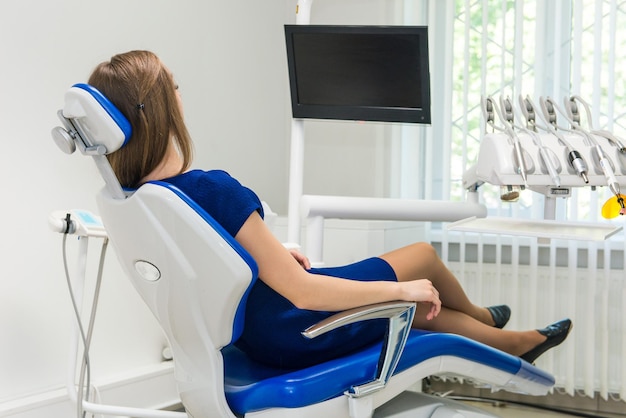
point(143, 89)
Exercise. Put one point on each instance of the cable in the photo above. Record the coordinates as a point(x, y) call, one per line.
point(519, 153)
point(92, 318)
point(487, 109)
point(83, 404)
point(508, 193)
point(603, 133)
point(79, 404)
point(544, 152)
point(85, 371)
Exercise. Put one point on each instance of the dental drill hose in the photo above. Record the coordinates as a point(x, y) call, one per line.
point(573, 118)
point(608, 171)
point(575, 159)
point(521, 164)
point(571, 108)
point(543, 152)
point(528, 113)
point(508, 129)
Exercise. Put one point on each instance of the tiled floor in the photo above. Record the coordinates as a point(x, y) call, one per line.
point(511, 409)
point(507, 410)
point(509, 405)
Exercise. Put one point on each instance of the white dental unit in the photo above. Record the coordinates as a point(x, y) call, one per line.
point(195, 278)
point(532, 151)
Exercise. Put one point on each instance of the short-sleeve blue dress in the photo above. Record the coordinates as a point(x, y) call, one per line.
point(273, 325)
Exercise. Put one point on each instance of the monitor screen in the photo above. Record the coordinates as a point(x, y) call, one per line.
point(367, 73)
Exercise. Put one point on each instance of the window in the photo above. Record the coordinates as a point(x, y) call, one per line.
point(510, 48)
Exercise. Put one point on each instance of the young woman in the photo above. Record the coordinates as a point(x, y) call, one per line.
point(289, 295)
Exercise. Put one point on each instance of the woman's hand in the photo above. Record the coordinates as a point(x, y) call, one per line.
point(301, 259)
point(422, 291)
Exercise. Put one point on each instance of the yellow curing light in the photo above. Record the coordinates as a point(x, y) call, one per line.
point(614, 207)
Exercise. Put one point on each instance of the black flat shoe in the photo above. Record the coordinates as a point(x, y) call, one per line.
point(500, 315)
point(555, 333)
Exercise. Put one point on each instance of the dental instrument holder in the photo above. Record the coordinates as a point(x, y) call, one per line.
point(496, 165)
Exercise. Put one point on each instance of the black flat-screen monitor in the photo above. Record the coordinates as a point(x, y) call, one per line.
point(363, 73)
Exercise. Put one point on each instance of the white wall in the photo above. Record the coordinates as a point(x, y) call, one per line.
point(229, 60)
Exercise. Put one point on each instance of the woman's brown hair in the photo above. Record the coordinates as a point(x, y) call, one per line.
point(143, 89)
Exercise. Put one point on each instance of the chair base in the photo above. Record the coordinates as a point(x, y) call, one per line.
point(419, 405)
point(407, 404)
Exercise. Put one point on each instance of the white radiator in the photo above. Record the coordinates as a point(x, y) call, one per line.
point(593, 358)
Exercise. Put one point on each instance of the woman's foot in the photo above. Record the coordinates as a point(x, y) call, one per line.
point(555, 334)
point(500, 315)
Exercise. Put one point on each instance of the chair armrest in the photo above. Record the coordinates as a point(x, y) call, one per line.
point(400, 316)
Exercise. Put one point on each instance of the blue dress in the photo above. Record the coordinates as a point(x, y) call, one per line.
point(273, 325)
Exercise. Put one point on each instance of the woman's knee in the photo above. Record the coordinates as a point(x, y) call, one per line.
point(414, 261)
point(419, 251)
point(424, 249)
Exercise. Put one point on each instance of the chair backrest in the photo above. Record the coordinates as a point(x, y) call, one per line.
point(193, 276)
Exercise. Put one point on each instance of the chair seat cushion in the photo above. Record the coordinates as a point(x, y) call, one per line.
point(250, 386)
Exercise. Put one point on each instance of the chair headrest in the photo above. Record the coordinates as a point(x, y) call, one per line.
point(96, 127)
point(102, 123)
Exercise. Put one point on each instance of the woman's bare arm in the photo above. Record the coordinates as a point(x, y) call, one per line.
point(283, 273)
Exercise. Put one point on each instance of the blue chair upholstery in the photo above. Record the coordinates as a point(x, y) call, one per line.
point(251, 387)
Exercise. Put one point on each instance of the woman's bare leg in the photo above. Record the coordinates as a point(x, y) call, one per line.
point(420, 261)
point(456, 322)
point(458, 314)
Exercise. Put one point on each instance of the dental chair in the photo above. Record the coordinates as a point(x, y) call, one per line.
point(195, 279)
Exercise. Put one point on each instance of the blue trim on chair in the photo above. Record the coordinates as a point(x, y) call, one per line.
point(241, 309)
point(528, 371)
point(110, 108)
point(251, 386)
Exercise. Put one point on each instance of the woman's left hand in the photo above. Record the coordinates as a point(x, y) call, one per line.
point(301, 259)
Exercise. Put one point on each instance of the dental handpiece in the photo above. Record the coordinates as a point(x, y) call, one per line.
point(574, 158)
point(521, 164)
point(529, 114)
point(605, 165)
point(543, 152)
point(578, 163)
point(517, 147)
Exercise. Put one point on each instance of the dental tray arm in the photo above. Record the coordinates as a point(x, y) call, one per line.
point(400, 316)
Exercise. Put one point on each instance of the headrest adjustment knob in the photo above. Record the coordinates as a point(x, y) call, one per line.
point(64, 140)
